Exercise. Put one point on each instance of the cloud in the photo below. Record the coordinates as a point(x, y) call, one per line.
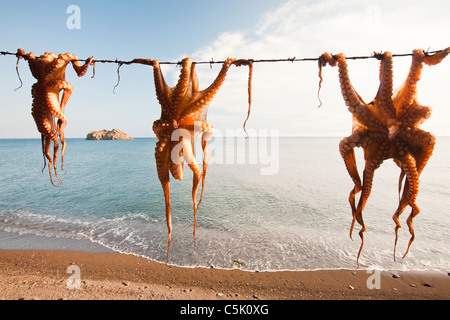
point(285, 94)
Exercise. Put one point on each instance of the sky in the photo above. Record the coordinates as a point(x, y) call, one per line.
point(284, 94)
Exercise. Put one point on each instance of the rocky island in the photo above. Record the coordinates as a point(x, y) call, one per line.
point(114, 134)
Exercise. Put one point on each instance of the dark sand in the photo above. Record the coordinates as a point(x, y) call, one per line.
point(42, 275)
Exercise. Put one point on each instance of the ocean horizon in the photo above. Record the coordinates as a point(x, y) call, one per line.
point(270, 203)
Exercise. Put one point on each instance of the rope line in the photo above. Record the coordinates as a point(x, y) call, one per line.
point(141, 61)
point(238, 62)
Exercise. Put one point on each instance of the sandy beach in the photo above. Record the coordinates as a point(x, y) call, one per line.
point(42, 275)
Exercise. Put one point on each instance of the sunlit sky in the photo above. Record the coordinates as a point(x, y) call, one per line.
point(284, 94)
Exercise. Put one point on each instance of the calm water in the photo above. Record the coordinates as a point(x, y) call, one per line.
point(295, 219)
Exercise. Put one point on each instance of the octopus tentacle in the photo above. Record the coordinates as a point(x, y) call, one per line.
point(197, 176)
point(39, 113)
point(386, 86)
point(46, 126)
point(416, 116)
point(194, 85)
point(162, 155)
point(375, 152)
point(57, 109)
point(163, 92)
point(353, 100)
point(79, 68)
point(206, 155)
point(182, 86)
point(250, 79)
point(405, 161)
point(176, 169)
point(431, 60)
point(403, 203)
point(410, 169)
point(369, 171)
point(322, 62)
point(208, 94)
point(407, 92)
point(346, 149)
point(51, 161)
point(249, 63)
point(423, 142)
point(351, 97)
point(207, 131)
point(367, 186)
point(426, 141)
point(414, 212)
point(188, 147)
point(33, 63)
point(52, 98)
point(43, 152)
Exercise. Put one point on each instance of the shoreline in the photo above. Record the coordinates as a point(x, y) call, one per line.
point(42, 275)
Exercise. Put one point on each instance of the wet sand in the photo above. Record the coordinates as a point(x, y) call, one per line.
point(42, 275)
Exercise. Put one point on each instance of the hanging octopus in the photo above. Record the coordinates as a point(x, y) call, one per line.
point(386, 128)
point(47, 109)
point(183, 117)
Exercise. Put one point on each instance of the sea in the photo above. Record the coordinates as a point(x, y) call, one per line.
point(270, 203)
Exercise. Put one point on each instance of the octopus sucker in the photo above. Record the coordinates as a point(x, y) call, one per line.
point(183, 115)
point(47, 109)
point(387, 128)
